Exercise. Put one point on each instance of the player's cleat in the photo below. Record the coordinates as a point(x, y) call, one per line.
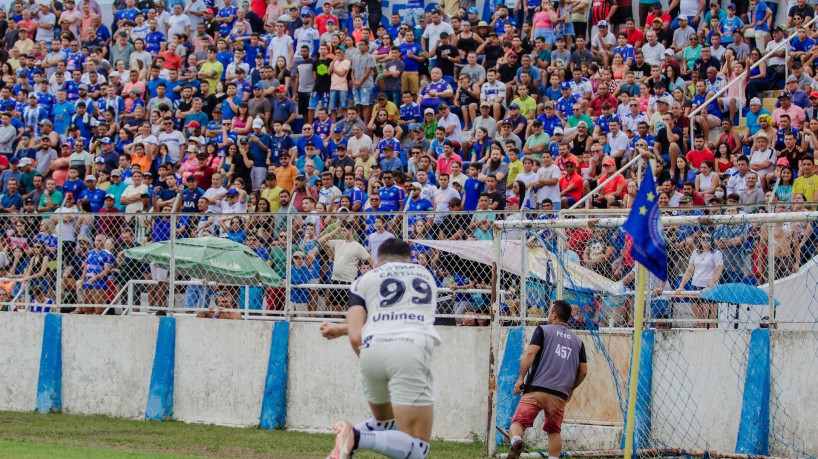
point(516, 450)
point(344, 440)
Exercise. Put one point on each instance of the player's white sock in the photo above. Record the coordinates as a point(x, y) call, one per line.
point(373, 424)
point(515, 439)
point(553, 457)
point(394, 444)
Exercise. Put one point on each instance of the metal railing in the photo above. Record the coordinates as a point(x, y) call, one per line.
point(746, 72)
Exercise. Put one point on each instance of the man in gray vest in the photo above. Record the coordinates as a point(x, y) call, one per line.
point(555, 365)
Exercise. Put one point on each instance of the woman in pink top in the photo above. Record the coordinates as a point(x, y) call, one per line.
point(544, 20)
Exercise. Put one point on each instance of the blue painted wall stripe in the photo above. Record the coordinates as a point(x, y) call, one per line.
point(754, 428)
point(509, 372)
point(49, 383)
point(644, 394)
point(274, 403)
point(160, 394)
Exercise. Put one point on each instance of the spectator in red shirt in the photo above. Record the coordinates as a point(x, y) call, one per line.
point(635, 36)
point(203, 173)
point(603, 96)
point(571, 185)
point(700, 153)
point(613, 190)
point(326, 15)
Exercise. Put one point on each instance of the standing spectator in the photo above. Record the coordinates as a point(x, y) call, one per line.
point(347, 254)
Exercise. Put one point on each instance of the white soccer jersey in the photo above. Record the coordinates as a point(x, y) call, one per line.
point(399, 298)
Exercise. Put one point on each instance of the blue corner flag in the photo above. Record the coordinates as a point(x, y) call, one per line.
point(645, 228)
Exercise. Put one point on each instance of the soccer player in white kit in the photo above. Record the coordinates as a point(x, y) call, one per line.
point(390, 326)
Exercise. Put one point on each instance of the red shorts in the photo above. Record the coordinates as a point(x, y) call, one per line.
point(530, 406)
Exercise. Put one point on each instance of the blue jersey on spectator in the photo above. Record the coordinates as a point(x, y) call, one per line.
point(95, 263)
point(391, 198)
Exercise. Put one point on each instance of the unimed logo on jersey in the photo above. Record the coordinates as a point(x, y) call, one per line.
point(385, 316)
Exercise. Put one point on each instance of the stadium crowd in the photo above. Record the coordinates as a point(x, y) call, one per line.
point(439, 118)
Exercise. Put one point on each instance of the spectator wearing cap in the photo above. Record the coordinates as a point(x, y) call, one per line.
point(312, 156)
point(26, 180)
point(44, 155)
point(537, 141)
point(306, 34)
point(797, 96)
point(95, 196)
point(302, 192)
point(284, 110)
point(812, 111)
point(12, 173)
point(117, 187)
point(517, 120)
point(730, 23)
point(286, 173)
point(565, 104)
point(34, 113)
point(752, 118)
point(505, 134)
point(602, 44)
point(484, 120)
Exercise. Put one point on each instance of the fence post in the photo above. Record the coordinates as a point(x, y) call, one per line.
point(405, 226)
point(289, 263)
point(496, 289)
point(771, 273)
point(172, 265)
point(523, 276)
point(558, 270)
point(58, 287)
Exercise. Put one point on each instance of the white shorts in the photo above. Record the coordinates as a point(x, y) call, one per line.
point(397, 369)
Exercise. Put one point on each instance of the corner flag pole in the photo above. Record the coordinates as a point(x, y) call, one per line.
point(639, 313)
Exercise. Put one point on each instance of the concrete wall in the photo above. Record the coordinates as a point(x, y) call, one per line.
point(21, 337)
point(325, 386)
point(107, 364)
point(221, 368)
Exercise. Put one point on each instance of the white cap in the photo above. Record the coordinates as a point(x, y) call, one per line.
point(258, 123)
point(755, 101)
point(558, 130)
point(114, 74)
point(25, 162)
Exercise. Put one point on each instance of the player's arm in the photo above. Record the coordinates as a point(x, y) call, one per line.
point(582, 372)
point(527, 360)
point(330, 330)
point(356, 317)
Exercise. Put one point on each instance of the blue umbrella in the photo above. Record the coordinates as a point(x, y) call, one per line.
point(737, 294)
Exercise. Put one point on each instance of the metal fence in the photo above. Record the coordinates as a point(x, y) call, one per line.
point(731, 269)
point(75, 262)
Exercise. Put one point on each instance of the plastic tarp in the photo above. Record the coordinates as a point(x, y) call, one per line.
point(541, 263)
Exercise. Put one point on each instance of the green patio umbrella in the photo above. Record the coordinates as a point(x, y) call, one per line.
point(220, 260)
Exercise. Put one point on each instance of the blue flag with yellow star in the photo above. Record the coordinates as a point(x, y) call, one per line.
point(644, 225)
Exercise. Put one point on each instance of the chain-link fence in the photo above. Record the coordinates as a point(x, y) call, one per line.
point(732, 270)
point(77, 262)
